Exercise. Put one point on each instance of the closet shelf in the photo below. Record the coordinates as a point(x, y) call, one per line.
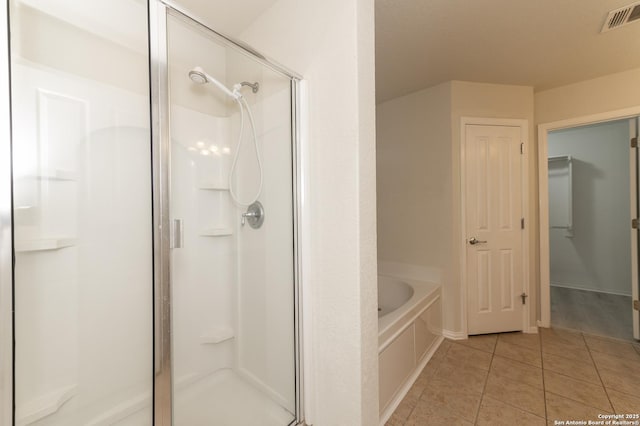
point(44, 244)
point(216, 232)
point(557, 158)
point(561, 193)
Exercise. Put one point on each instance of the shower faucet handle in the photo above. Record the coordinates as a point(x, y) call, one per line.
point(246, 215)
point(254, 215)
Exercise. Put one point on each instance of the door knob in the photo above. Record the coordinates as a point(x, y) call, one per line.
point(473, 241)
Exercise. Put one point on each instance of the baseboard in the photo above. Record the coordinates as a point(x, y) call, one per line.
point(541, 324)
point(454, 335)
point(460, 335)
point(573, 287)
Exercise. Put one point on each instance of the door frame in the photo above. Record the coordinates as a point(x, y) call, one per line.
point(523, 124)
point(6, 225)
point(543, 198)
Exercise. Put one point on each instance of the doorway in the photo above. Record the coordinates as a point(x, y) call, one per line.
point(588, 198)
point(589, 239)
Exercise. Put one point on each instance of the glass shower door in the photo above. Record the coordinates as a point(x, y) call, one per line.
point(82, 213)
point(232, 265)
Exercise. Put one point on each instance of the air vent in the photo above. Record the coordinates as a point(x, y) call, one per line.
point(623, 16)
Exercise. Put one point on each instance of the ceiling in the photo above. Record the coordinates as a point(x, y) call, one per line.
point(421, 43)
point(227, 16)
point(539, 43)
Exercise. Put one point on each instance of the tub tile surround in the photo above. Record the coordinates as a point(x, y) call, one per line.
point(497, 380)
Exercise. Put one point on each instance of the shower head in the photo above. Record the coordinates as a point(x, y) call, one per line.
point(199, 76)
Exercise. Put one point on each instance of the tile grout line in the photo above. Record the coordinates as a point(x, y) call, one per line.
point(506, 402)
point(484, 388)
point(579, 380)
point(544, 386)
point(595, 365)
point(444, 355)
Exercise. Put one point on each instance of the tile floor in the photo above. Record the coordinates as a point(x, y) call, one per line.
point(524, 379)
point(591, 312)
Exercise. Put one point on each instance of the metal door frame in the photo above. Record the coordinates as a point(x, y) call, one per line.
point(6, 225)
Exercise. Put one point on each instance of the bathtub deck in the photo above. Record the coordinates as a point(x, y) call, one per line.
point(392, 324)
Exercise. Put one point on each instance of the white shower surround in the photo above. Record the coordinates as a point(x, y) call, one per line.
point(212, 260)
point(75, 279)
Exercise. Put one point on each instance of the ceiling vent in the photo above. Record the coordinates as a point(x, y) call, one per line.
point(623, 16)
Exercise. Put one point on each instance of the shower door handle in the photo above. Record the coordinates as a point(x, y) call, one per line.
point(177, 234)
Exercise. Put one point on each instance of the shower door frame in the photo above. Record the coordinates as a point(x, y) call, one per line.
point(6, 225)
point(159, 11)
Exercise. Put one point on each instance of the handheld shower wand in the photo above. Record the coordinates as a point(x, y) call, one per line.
point(199, 76)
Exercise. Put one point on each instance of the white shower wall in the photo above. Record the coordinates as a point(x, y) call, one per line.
point(265, 256)
point(203, 270)
point(82, 230)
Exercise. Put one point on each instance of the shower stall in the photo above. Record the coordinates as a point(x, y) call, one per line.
point(149, 202)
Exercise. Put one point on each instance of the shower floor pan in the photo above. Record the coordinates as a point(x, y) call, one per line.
point(226, 399)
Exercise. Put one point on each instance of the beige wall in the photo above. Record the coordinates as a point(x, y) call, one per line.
point(419, 186)
point(603, 94)
point(413, 175)
point(331, 44)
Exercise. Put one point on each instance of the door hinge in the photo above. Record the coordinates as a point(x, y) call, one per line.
point(522, 223)
point(636, 305)
point(522, 148)
point(524, 297)
point(634, 223)
point(634, 142)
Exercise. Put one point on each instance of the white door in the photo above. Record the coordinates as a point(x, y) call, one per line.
point(494, 235)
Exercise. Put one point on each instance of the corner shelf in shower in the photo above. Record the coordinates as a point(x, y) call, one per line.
point(216, 232)
point(54, 174)
point(44, 244)
point(44, 406)
point(213, 186)
point(217, 335)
